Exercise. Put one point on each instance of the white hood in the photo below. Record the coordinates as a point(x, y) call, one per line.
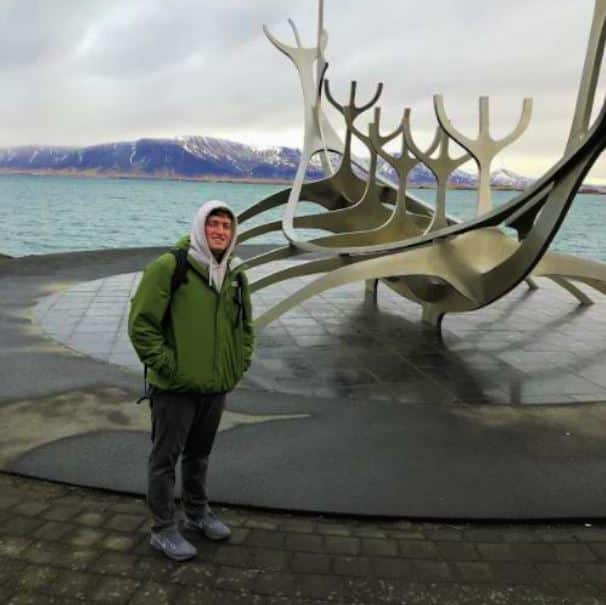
point(198, 245)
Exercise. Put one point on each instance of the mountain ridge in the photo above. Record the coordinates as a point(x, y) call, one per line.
point(209, 159)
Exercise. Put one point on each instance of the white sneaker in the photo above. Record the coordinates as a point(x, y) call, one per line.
point(171, 543)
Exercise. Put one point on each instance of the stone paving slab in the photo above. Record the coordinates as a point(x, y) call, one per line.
point(531, 347)
point(63, 544)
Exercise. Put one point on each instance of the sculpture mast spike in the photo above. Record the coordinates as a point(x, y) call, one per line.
point(321, 66)
point(589, 79)
point(320, 22)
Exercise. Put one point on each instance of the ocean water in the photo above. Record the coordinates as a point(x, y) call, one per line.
point(46, 214)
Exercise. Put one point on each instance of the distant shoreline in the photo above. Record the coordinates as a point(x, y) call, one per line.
point(588, 189)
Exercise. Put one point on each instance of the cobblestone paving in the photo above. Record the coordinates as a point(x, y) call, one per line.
point(61, 544)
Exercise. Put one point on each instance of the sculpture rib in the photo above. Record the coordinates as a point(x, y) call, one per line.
point(571, 288)
point(474, 279)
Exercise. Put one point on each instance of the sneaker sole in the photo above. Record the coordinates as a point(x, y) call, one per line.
point(217, 538)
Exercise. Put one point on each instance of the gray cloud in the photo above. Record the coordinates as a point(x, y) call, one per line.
point(78, 72)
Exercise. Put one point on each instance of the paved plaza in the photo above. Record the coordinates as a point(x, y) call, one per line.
point(532, 347)
point(517, 386)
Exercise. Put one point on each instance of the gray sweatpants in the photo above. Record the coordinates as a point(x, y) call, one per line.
point(183, 424)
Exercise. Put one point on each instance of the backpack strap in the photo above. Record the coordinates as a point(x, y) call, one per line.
point(178, 278)
point(240, 297)
point(146, 388)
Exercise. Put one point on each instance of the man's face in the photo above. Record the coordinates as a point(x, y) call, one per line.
point(219, 231)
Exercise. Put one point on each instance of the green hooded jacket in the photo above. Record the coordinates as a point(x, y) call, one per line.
point(204, 342)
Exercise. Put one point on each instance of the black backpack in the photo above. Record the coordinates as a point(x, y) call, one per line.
point(179, 278)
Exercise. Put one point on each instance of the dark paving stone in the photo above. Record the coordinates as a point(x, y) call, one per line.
point(599, 548)
point(37, 598)
point(261, 523)
point(445, 534)
point(305, 543)
point(264, 538)
point(46, 553)
point(484, 534)
point(8, 501)
point(351, 566)
point(303, 526)
point(432, 571)
point(392, 568)
point(239, 580)
point(73, 585)
point(52, 530)
point(11, 546)
point(418, 549)
point(379, 547)
point(30, 509)
point(270, 560)
point(342, 545)
point(10, 570)
point(37, 577)
point(332, 529)
point(120, 542)
point(6, 593)
point(556, 534)
point(457, 551)
point(117, 564)
point(124, 522)
point(323, 587)
point(62, 513)
point(194, 573)
point(558, 573)
point(512, 572)
point(281, 585)
point(594, 573)
point(159, 594)
point(85, 537)
point(590, 534)
point(517, 536)
point(157, 567)
point(574, 553)
point(372, 590)
point(114, 590)
point(238, 535)
point(474, 572)
point(535, 552)
point(21, 526)
point(497, 552)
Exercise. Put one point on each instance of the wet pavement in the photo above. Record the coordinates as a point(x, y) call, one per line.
point(67, 544)
point(531, 347)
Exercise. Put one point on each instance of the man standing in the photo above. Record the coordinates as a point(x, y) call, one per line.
point(196, 342)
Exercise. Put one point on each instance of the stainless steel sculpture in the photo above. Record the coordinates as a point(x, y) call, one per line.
point(378, 232)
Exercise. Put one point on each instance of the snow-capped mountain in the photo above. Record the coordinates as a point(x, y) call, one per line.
point(507, 179)
point(185, 157)
point(204, 158)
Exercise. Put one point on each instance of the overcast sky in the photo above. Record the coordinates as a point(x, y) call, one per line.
point(78, 72)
